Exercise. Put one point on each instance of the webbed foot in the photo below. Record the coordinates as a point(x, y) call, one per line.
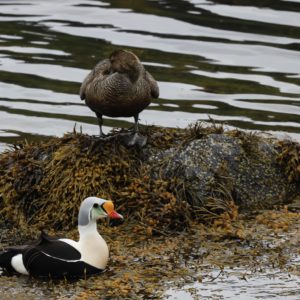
point(135, 139)
point(101, 137)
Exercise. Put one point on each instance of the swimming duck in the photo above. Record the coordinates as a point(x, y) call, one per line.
point(119, 87)
point(64, 258)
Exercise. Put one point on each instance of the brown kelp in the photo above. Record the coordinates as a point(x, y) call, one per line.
point(43, 183)
point(289, 158)
point(167, 236)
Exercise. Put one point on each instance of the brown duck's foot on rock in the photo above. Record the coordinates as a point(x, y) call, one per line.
point(135, 139)
point(98, 137)
point(132, 130)
point(104, 138)
point(127, 138)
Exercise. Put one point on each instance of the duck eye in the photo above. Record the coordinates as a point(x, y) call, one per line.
point(96, 205)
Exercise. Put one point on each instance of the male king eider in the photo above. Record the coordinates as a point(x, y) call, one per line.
point(119, 87)
point(58, 258)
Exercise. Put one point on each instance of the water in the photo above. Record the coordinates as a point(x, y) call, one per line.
point(232, 62)
point(239, 284)
point(204, 63)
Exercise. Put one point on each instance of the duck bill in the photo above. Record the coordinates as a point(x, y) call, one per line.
point(114, 215)
point(109, 209)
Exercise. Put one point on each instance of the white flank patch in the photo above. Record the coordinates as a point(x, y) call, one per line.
point(18, 265)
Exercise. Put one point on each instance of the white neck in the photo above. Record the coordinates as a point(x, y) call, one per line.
point(92, 246)
point(87, 230)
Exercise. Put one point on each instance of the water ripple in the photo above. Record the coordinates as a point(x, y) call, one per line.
point(237, 64)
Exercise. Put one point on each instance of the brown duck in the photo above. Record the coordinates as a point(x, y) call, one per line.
point(119, 87)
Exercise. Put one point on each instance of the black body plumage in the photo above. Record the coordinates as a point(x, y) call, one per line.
point(48, 257)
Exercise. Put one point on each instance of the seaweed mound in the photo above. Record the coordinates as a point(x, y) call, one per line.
point(181, 175)
point(44, 183)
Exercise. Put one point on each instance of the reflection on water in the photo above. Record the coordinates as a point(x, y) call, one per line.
point(232, 62)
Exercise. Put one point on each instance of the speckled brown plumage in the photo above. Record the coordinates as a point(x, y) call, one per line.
point(119, 87)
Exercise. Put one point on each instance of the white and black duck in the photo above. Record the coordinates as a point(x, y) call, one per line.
point(64, 258)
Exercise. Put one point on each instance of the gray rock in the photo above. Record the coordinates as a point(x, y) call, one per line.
point(223, 166)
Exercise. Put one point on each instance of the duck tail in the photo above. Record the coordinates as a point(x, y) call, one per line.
point(6, 257)
point(5, 261)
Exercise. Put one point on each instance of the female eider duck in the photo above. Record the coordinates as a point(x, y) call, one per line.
point(64, 258)
point(119, 87)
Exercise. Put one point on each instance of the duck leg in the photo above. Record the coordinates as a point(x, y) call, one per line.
point(136, 123)
point(136, 138)
point(100, 122)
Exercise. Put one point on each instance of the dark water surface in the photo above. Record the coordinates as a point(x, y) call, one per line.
point(235, 61)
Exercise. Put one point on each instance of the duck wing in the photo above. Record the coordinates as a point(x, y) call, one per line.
point(51, 257)
point(100, 71)
point(153, 85)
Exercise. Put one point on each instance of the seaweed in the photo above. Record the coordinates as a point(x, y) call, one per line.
point(166, 238)
point(289, 159)
point(42, 184)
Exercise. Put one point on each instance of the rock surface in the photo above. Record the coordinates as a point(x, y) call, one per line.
point(221, 164)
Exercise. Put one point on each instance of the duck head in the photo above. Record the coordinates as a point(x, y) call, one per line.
point(123, 61)
point(94, 208)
